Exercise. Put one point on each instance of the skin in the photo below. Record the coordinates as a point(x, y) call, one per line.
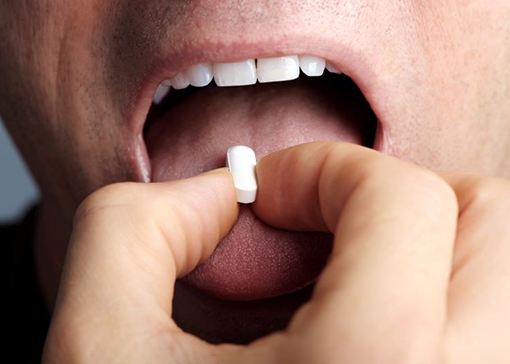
point(70, 71)
point(398, 288)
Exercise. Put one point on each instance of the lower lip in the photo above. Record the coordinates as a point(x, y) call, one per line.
point(238, 322)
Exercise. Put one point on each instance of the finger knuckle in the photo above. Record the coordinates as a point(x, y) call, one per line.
point(108, 199)
point(434, 189)
point(420, 184)
point(485, 192)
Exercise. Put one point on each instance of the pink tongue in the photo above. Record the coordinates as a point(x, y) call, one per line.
point(255, 260)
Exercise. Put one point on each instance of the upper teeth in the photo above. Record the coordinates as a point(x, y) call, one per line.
point(277, 69)
point(244, 73)
point(235, 73)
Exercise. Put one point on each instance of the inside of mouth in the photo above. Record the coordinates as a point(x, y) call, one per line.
point(338, 91)
point(189, 133)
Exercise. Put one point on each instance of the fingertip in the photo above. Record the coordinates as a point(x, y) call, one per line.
point(222, 170)
point(204, 209)
point(288, 187)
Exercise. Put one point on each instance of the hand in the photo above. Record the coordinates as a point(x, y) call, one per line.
point(419, 273)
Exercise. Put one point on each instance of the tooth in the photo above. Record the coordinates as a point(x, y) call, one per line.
point(312, 66)
point(161, 92)
point(278, 69)
point(332, 68)
point(179, 81)
point(200, 75)
point(235, 73)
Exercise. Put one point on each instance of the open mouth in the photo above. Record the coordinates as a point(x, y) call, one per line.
point(268, 103)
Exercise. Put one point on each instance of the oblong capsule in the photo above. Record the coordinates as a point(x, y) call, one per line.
point(241, 162)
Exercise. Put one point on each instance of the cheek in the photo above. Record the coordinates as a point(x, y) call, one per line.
point(91, 129)
point(448, 143)
point(448, 109)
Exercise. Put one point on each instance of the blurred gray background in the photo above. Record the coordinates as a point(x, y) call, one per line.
point(17, 188)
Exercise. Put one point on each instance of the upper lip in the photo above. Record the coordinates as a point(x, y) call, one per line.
point(175, 59)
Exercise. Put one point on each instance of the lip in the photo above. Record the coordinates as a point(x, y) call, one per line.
point(173, 60)
point(237, 322)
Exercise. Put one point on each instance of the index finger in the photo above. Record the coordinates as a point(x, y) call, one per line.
point(394, 226)
point(130, 242)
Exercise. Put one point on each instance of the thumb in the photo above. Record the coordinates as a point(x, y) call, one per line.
point(129, 244)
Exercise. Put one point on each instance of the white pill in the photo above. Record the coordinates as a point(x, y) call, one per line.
point(241, 162)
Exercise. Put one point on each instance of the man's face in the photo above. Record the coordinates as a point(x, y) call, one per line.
point(430, 84)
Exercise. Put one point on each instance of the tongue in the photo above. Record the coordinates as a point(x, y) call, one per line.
point(192, 135)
